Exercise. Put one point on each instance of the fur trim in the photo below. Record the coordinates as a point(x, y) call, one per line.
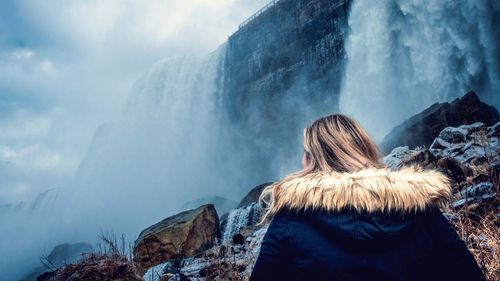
point(370, 190)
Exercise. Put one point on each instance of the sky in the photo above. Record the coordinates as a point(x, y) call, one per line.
point(67, 67)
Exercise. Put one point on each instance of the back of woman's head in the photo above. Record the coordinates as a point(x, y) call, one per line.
point(332, 144)
point(338, 143)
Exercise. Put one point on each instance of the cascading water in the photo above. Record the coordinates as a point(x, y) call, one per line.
point(171, 145)
point(405, 55)
point(164, 150)
point(240, 218)
point(161, 153)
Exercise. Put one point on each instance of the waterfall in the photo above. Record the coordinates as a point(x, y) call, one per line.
point(404, 55)
point(141, 168)
point(240, 218)
point(164, 150)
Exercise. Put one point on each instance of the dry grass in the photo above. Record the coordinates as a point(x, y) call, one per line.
point(104, 267)
point(478, 225)
point(223, 265)
point(110, 263)
point(481, 234)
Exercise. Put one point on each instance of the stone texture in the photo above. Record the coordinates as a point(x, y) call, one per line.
point(455, 170)
point(469, 155)
point(282, 69)
point(183, 235)
point(253, 195)
point(218, 262)
point(423, 128)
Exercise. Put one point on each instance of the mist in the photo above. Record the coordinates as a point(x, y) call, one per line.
point(403, 56)
point(111, 122)
point(86, 145)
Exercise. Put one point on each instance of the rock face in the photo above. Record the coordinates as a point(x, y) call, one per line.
point(253, 195)
point(183, 235)
point(421, 129)
point(468, 154)
point(278, 67)
point(242, 220)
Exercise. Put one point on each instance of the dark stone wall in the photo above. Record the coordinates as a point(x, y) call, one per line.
point(283, 69)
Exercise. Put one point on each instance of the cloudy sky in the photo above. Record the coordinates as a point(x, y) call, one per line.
point(67, 67)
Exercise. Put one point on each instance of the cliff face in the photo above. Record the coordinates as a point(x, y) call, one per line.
point(282, 69)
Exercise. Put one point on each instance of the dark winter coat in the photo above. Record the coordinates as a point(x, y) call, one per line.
point(370, 225)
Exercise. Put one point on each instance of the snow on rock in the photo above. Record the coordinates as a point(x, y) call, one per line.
point(468, 154)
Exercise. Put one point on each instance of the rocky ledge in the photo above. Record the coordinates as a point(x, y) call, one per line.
point(421, 129)
point(468, 154)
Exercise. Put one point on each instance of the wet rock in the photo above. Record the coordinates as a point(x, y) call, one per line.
point(461, 202)
point(494, 131)
point(479, 189)
point(253, 195)
point(439, 143)
point(234, 259)
point(452, 135)
point(423, 158)
point(481, 177)
point(223, 221)
point(238, 239)
point(241, 218)
point(278, 67)
point(183, 235)
point(476, 196)
point(453, 169)
point(423, 128)
point(397, 155)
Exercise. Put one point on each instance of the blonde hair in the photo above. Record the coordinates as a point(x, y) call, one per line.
point(334, 143)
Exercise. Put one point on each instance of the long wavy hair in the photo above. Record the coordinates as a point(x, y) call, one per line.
point(334, 143)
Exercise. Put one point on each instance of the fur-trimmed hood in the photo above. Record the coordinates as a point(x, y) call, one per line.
point(374, 245)
point(408, 189)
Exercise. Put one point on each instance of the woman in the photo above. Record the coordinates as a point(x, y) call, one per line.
point(347, 217)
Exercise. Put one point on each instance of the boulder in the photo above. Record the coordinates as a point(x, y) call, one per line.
point(253, 195)
point(180, 236)
point(421, 129)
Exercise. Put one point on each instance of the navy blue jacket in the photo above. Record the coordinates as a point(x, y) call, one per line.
point(350, 246)
point(374, 224)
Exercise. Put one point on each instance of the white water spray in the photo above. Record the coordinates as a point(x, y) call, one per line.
point(405, 55)
point(161, 153)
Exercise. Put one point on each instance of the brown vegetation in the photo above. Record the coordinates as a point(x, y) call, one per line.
point(105, 267)
point(478, 225)
point(111, 263)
